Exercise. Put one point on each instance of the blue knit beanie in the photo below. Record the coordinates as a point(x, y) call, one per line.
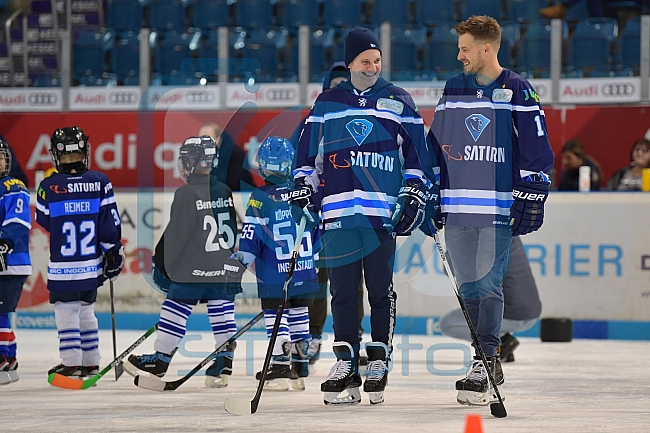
point(358, 40)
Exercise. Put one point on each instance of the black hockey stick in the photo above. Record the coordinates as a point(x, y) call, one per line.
point(119, 368)
point(243, 406)
point(497, 410)
point(61, 381)
point(155, 384)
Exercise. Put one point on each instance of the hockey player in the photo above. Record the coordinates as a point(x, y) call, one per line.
point(268, 237)
point(361, 143)
point(15, 265)
point(489, 134)
point(189, 263)
point(77, 207)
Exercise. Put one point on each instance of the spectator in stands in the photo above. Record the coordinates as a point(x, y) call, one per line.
point(629, 178)
point(231, 169)
point(573, 157)
point(16, 170)
point(621, 10)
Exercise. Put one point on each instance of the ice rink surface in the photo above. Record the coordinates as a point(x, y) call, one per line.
point(582, 386)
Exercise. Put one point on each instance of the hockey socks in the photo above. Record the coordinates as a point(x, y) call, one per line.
point(343, 381)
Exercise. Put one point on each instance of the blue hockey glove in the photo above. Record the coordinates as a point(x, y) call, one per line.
point(5, 248)
point(527, 211)
point(160, 278)
point(233, 273)
point(432, 214)
point(409, 209)
point(302, 205)
point(113, 262)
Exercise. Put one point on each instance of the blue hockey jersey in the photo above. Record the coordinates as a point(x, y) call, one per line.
point(269, 234)
point(359, 147)
point(486, 139)
point(79, 212)
point(16, 222)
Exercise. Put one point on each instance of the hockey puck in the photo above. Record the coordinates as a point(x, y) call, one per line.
point(556, 330)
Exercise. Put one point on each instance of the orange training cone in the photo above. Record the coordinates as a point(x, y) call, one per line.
point(474, 424)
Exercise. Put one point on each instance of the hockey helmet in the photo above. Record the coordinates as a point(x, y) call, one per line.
point(274, 157)
point(5, 154)
point(197, 152)
point(66, 141)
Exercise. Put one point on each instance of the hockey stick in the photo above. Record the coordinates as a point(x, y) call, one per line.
point(243, 406)
point(119, 369)
point(155, 384)
point(497, 410)
point(61, 381)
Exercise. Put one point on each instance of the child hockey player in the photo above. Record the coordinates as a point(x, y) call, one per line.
point(15, 265)
point(268, 237)
point(77, 207)
point(189, 263)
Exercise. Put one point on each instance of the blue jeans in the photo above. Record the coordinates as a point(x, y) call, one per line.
point(479, 257)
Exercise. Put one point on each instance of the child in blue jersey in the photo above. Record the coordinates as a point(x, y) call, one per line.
point(489, 135)
point(363, 150)
point(268, 238)
point(77, 207)
point(15, 265)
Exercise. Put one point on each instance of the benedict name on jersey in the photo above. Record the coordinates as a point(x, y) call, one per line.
point(221, 202)
point(301, 265)
point(372, 159)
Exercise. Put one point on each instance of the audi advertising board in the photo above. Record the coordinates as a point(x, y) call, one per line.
point(31, 100)
point(600, 90)
point(181, 98)
point(104, 98)
point(267, 95)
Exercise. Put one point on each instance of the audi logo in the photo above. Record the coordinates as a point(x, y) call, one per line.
point(118, 98)
point(617, 89)
point(42, 99)
point(200, 97)
point(541, 90)
point(280, 94)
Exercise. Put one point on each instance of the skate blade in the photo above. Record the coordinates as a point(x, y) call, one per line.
point(351, 396)
point(482, 398)
point(153, 383)
point(238, 406)
point(119, 370)
point(277, 385)
point(4, 378)
point(376, 397)
point(220, 381)
point(298, 384)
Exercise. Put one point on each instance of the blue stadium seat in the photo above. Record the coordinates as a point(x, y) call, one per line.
point(578, 11)
point(103, 80)
point(208, 54)
point(630, 48)
point(524, 11)
point(48, 80)
point(616, 71)
point(396, 12)
point(510, 34)
point(174, 53)
point(264, 46)
point(405, 44)
point(300, 13)
point(166, 15)
point(88, 52)
point(125, 15)
point(126, 56)
point(434, 12)
point(211, 14)
point(254, 14)
point(592, 42)
point(342, 13)
point(482, 7)
point(442, 49)
point(536, 45)
point(321, 41)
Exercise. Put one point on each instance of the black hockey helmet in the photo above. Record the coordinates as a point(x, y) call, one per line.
point(69, 140)
point(197, 152)
point(5, 154)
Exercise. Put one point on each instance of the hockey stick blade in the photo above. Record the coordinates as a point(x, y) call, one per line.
point(119, 370)
point(156, 384)
point(60, 381)
point(242, 406)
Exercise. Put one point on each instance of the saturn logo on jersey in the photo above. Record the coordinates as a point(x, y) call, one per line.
point(359, 129)
point(476, 124)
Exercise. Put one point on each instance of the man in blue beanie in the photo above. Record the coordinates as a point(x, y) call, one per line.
point(359, 162)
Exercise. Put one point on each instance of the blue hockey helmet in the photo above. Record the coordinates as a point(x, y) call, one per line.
point(197, 152)
point(5, 155)
point(66, 141)
point(274, 157)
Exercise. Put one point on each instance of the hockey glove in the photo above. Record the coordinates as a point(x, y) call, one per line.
point(409, 209)
point(233, 273)
point(302, 205)
point(432, 214)
point(160, 278)
point(113, 262)
point(5, 248)
point(527, 211)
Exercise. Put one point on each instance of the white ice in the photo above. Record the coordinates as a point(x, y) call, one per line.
point(582, 386)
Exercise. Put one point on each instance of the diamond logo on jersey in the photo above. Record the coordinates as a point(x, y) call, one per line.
point(476, 124)
point(359, 129)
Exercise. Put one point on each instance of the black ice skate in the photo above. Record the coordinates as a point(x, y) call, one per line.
point(508, 345)
point(476, 389)
point(343, 377)
point(219, 371)
point(376, 372)
point(155, 364)
point(89, 370)
point(68, 371)
point(8, 370)
point(299, 364)
point(278, 374)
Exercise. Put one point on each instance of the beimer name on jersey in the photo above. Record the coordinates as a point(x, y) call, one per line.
point(214, 204)
point(283, 268)
point(77, 207)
